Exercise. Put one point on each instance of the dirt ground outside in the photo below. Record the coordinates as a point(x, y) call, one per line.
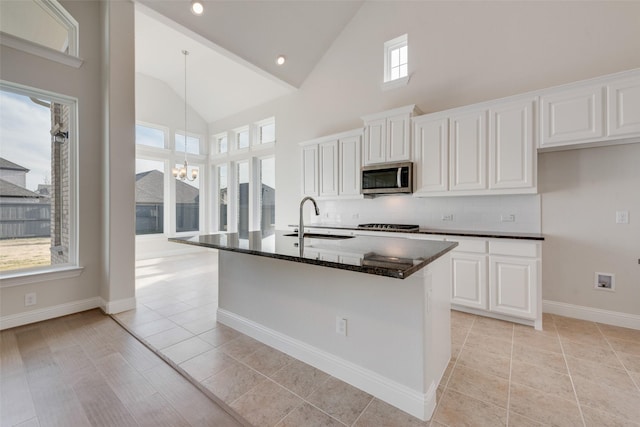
point(24, 253)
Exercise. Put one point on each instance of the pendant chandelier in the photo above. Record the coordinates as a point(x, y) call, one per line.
point(182, 172)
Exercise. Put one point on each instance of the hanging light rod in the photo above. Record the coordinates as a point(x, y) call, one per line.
point(182, 172)
point(197, 7)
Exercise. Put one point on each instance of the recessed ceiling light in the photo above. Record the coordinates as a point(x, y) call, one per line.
point(280, 60)
point(197, 8)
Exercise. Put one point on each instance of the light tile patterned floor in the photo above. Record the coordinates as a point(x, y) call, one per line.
point(573, 373)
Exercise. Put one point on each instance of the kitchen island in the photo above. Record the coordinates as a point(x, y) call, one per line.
point(371, 311)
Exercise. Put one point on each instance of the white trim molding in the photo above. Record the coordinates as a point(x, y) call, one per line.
point(27, 46)
point(616, 318)
point(16, 279)
point(118, 306)
point(420, 405)
point(38, 315)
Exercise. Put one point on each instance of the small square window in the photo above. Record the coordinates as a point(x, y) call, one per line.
point(242, 139)
point(267, 133)
point(396, 59)
point(222, 144)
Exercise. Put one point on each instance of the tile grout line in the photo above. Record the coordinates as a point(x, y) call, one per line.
point(513, 337)
point(363, 411)
point(573, 386)
point(637, 384)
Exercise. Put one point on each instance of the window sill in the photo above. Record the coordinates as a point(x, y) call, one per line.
point(394, 84)
point(24, 278)
point(27, 46)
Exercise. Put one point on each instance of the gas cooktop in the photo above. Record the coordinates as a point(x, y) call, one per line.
point(389, 227)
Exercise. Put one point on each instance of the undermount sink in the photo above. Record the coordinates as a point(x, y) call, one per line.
point(321, 236)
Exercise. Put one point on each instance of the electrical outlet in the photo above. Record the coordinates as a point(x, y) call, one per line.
point(622, 217)
point(341, 326)
point(508, 218)
point(30, 299)
point(447, 217)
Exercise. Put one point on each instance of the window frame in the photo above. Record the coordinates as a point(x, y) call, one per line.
point(72, 267)
point(389, 47)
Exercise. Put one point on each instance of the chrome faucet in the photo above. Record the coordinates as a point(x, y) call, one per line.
point(301, 225)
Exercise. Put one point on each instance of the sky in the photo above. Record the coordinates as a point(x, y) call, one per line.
point(24, 136)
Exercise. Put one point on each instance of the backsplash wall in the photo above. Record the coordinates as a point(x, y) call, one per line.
point(479, 213)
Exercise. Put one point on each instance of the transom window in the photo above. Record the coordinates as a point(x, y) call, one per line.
point(396, 59)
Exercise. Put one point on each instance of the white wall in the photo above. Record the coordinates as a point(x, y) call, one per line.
point(88, 86)
point(459, 53)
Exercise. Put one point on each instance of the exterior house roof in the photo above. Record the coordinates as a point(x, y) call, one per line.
point(150, 189)
point(8, 189)
point(7, 165)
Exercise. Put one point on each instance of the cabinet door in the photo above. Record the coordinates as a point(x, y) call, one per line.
point(350, 160)
point(571, 117)
point(513, 286)
point(398, 138)
point(469, 280)
point(328, 153)
point(468, 151)
point(310, 170)
point(511, 147)
point(375, 133)
point(624, 107)
point(431, 141)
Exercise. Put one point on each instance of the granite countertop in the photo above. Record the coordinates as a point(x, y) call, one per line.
point(463, 233)
point(379, 255)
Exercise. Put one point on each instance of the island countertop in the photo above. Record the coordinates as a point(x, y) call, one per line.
point(382, 256)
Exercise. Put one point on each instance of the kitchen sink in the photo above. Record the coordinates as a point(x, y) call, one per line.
point(321, 236)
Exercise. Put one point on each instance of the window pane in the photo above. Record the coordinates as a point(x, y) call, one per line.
point(34, 183)
point(149, 136)
point(243, 199)
point(267, 133)
point(395, 73)
point(188, 203)
point(149, 196)
point(268, 195)
point(395, 57)
point(403, 55)
point(193, 144)
point(31, 21)
point(223, 200)
point(243, 139)
point(403, 71)
point(222, 145)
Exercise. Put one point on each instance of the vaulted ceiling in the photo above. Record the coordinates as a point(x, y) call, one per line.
point(233, 47)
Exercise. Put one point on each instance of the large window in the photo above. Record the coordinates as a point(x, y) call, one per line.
point(187, 204)
point(37, 183)
point(223, 197)
point(243, 198)
point(268, 194)
point(149, 196)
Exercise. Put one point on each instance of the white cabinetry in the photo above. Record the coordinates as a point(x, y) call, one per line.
point(387, 135)
point(469, 279)
point(310, 170)
point(514, 282)
point(468, 151)
point(431, 139)
point(623, 107)
point(571, 115)
point(512, 156)
point(328, 153)
point(331, 166)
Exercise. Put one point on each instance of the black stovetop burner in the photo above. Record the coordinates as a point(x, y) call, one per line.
point(390, 227)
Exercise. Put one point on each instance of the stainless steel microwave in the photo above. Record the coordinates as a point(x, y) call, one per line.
point(387, 178)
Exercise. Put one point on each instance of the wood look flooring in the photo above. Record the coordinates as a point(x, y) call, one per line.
point(86, 370)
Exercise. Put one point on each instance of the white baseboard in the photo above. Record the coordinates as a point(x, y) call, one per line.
point(615, 318)
point(38, 315)
point(118, 306)
point(420, 405)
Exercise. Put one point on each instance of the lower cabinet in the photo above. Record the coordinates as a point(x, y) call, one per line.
point(497, 278)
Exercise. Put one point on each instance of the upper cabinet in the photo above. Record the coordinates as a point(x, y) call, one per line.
point(468, 151)
point(489, 149)
point(331, 166)
point(571, 115)
point(387, 135)
point(623, 107)
point(512, 155)
point(602, 111)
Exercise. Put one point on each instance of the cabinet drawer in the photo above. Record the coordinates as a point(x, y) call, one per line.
point(469, 245)
point(514, 249)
